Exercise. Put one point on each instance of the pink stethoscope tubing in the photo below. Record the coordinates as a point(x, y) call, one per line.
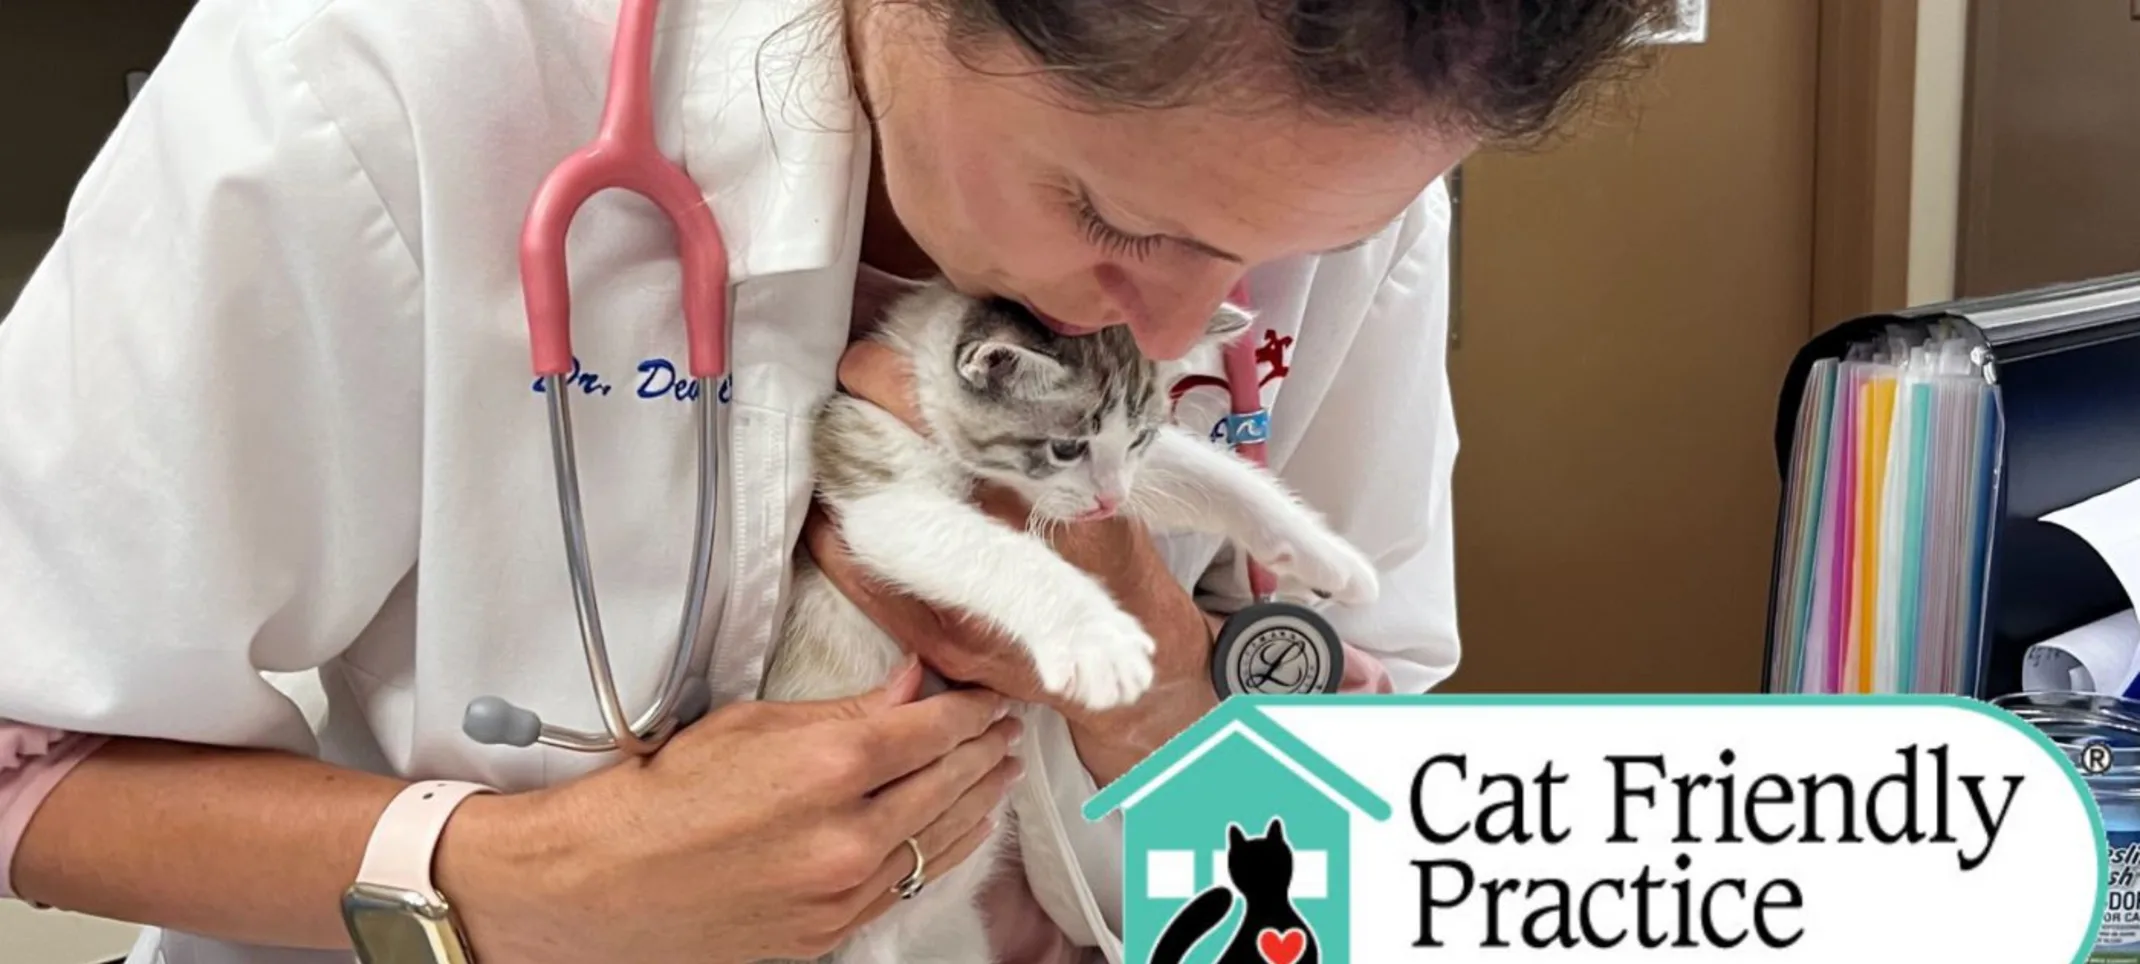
point(622, 156)
point(1257, 643)
point(1248, 424)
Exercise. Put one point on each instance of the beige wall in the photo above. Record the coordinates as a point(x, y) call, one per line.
point(1628, 300)
point(2052, 128)
point(1936, 148)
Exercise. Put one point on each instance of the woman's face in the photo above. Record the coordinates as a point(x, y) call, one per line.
point(1144, 218)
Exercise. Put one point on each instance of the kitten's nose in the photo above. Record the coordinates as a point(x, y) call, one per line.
point(1104, 506)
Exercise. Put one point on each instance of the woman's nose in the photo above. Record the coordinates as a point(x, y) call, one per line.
point(1166, 320)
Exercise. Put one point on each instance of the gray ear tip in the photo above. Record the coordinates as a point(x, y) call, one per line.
point(1232, 319)
point(492, 720)
point(695, 700)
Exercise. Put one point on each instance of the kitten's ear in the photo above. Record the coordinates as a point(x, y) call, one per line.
point(1234, 836)
point(1227, 322)
point(1003, 366)
point(1276, 831)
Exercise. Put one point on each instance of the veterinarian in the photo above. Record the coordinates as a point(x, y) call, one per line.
point(266, 408)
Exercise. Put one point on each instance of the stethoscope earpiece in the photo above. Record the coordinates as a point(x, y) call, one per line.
point(491, 720)
point(495, 721)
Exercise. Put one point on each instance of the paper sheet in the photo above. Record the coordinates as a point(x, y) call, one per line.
point(2096, 658)
point(2110, 524)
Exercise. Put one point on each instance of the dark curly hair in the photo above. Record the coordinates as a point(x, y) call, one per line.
point(1507, 71)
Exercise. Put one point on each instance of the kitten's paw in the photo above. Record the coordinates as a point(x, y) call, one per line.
point(1327, 564)
point(1099, 664)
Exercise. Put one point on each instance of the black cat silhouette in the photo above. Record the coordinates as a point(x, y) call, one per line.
point(1271, 931)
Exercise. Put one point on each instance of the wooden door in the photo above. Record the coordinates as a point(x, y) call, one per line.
point(2051, 156)
point(1628, 303)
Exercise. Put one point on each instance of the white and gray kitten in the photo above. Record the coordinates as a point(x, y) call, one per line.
point(1079, 427)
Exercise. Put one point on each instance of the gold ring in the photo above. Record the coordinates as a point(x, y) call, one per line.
point(910, 886)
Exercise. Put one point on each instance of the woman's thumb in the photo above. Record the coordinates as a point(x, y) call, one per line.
point(903, 687)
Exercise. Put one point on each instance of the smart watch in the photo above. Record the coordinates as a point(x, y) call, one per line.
point(394, 913)
point(1276, 647)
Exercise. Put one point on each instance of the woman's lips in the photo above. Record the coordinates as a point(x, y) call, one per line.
point(1054, 324)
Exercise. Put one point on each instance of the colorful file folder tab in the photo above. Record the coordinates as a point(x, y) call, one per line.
point(1887, 516)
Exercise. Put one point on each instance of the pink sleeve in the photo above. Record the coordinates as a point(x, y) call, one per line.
point(32, 761)
point(1363, 673)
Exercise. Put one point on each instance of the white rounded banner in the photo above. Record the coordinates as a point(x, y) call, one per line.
point(1828, 829)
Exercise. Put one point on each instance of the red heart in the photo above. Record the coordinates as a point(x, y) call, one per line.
point(1283, 948)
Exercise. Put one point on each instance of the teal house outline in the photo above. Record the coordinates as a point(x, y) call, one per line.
point(1235, 767)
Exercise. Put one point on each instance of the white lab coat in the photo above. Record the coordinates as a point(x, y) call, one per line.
point(267, 406)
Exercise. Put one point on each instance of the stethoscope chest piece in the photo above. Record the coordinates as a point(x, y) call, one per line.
point(1275, 647)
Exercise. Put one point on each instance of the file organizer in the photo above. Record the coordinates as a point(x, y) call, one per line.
point(1932, 548)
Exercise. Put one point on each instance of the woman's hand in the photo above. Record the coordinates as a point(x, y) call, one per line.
point(765, 830)
point(1117, 551)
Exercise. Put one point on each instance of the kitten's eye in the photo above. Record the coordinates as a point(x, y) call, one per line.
point(1066, 450)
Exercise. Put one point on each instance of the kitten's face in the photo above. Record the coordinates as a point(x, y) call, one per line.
point(1062, 421)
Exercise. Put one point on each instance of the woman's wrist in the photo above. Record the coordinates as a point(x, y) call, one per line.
point(499, 859)
point(1121, 553)
point(1110, 742)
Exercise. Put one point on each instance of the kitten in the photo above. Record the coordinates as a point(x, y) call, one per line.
point(1078, 427)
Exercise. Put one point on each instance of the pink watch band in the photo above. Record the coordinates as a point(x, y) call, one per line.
point(406, 836)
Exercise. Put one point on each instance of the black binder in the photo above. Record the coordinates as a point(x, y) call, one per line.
point(2064, 364)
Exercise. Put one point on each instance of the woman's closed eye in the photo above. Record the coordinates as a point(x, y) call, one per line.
point(1109, 238)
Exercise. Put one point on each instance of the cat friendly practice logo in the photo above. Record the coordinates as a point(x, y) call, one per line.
point(1238, 829)
point(1314, 829)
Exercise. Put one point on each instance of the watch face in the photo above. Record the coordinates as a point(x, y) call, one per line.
point(392, 926)
point(1277, 648)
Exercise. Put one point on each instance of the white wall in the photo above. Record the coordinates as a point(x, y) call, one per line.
point(1936, 148)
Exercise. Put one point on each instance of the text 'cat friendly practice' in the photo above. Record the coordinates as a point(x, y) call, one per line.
point(1654, 802)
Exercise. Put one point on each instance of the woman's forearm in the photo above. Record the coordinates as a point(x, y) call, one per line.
point(1111, 743)
point(249, 846)
point(1121, 554)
